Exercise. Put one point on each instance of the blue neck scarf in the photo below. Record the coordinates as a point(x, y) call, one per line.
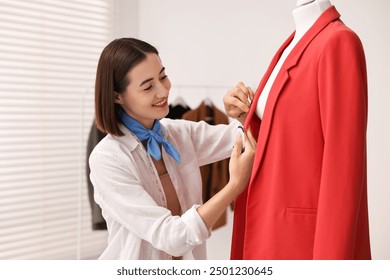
point(153, 137)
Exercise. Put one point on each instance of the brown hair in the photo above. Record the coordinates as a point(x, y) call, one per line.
point(116, 60)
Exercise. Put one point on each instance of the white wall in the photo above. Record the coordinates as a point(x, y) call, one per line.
point(218, 43)
point(215, 42)
point(126, 17)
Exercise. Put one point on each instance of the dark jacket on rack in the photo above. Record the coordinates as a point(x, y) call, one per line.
point(177, 111)
point(98, 222)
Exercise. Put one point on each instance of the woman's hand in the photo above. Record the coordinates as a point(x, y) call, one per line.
point(241, 162)
point(237, 102)
point(240, 169)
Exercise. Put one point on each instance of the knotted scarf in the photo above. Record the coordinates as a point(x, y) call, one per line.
point(153, 137)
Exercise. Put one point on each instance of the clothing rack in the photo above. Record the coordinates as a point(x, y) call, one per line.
point(194, 95)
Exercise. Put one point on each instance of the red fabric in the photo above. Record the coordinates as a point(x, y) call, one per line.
point(307, 198)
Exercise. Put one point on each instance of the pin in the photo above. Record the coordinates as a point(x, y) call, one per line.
point(241, 132)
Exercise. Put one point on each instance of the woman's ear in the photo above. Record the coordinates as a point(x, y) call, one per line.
point(118, 98)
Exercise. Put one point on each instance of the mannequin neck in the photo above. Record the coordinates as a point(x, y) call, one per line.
point(306, 14)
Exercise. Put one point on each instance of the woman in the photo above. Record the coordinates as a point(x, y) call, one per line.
point(145, 172)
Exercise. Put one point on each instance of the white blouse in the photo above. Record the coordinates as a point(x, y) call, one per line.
point(128, 189)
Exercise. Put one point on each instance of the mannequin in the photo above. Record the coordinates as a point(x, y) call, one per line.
point(303, 2)
point(305, 15)
point(307, 196)
point(319, 2)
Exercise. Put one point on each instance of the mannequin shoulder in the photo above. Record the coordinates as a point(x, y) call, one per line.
point(339, 32)
point(338, 38)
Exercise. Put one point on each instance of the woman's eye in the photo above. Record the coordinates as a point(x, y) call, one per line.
point(148, 88)
point(162, 78)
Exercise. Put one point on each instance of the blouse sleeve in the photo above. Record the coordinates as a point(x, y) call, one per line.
point(212, 142)
point(121, 195)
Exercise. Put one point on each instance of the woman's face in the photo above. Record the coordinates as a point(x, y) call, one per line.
point(146, 97)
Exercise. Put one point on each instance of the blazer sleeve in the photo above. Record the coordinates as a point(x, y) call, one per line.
point(343, 108)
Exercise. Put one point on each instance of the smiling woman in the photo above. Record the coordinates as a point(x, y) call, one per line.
point(146, 107)
point(145, 172)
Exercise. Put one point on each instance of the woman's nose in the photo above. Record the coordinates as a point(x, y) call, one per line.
point(163, 90)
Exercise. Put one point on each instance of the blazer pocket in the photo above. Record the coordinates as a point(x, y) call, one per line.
point(303, 211)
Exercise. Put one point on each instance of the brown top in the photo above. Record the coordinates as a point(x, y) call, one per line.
point(170, 193)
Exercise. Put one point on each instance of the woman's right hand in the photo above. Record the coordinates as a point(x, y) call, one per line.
point(241, 163)
point(237, 102)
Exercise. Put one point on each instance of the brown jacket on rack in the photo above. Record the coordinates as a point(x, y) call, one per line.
point(216, 175)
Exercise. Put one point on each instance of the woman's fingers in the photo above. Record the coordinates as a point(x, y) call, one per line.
point(237, 101)
point(240, 95)
point(231, 107)
point(251, 94)
point(237, 146)
point(245, 94)
point(247, 91)
point(249, 138)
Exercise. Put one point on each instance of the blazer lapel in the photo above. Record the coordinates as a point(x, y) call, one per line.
point(281, 80)
point(266, 122)
point(264, 80)
point(327, 17)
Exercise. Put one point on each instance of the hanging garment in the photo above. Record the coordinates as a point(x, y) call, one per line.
point(177, 111)
point(216, 175)
point(307, 196)
point(98, 222)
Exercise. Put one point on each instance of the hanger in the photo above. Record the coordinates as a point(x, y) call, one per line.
point(209, 106)
point(179, 101)
point(207, 101)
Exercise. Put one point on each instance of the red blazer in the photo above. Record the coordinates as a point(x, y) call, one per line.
point(307, 197)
